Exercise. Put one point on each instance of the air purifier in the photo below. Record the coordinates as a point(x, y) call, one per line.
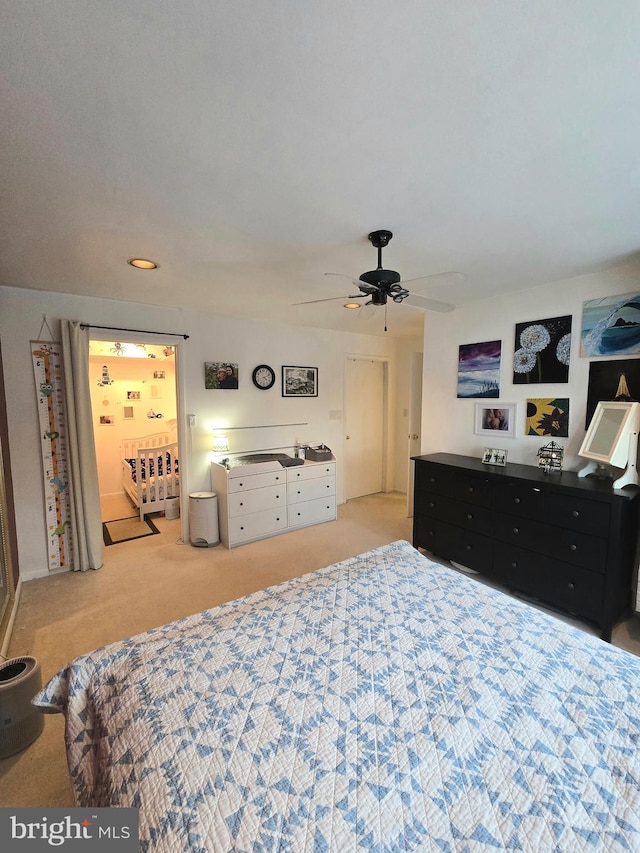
point(20, 722)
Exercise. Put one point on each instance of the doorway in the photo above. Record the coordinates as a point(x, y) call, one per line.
point(365, 394)
point(415, 422)
point(133, 389)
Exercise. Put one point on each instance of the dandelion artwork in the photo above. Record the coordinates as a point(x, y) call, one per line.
point(542, 351)
point(548, 416)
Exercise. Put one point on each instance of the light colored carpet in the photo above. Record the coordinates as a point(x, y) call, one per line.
point(147, 582)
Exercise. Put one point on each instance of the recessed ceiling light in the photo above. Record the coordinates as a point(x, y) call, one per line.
point(352, 305)
point(142, 264)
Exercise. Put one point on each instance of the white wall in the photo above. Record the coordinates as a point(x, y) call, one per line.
point(212, 338)
point(448, 423)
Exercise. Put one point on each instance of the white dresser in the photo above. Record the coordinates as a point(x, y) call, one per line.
point(265, 499)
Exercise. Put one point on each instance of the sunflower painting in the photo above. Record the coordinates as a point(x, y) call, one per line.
point(548, 416)
point(542, 351)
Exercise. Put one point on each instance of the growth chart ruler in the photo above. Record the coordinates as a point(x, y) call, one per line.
point(47, 371)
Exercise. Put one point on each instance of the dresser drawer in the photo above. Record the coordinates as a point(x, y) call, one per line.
point(312, 512)
point(242, 528)
point(308, 490)
point(255, 500)
point(569, 588)
point(518, 498)
point(458, 484)
point(577, 514)
point(467, 515)
point(310, 471)
point(257, 481)
point(453, 543)
point(571, 546)
point(521, 531)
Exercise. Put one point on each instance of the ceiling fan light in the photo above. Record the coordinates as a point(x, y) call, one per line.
point(142, 264)
point(352, 305)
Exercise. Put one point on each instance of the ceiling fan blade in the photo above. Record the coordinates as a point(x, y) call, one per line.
point(450, 277)
point(330, 299)
point(358, 282)
point(428, 304)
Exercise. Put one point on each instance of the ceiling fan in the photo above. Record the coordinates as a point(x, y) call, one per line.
point(378, 285)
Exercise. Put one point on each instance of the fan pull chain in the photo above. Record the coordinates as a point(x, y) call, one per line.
point(385, 316)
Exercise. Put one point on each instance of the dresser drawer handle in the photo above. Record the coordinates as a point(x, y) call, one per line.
point(514, 565)
point(516, 530)
point(516, 500)
point(431, 504)
point(468, 547)
point(469, 516)
point(470, 489)
point(573, 547)
point(571, 585)
point(575, 513)
point(432, 479)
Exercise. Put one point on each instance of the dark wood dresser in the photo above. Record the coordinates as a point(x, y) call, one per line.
point(569, 542)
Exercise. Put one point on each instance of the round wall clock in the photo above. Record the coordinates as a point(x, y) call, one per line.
point(263, 377)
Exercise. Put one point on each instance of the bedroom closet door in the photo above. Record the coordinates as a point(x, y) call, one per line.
point(365, 422)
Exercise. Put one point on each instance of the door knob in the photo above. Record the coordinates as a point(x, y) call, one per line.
point(348, 437)
point(415, 436)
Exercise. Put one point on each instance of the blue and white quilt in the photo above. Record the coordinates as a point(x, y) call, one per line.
point(386, 703)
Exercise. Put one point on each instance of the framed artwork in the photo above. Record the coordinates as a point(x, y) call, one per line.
point(128, 413)
point(220, 374)
point(479, 369)
point(107, 420)
point(492, 419)
point(542, 351)
point(159, 374)
point(133, 395)
point(548, 416)
point(494, 456)
point(611, 326)
point(617, 380)
point(299, 381)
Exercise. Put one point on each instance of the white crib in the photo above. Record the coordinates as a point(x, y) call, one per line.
point(150, 470)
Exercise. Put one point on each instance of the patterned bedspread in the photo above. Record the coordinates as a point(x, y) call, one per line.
point(386, 703)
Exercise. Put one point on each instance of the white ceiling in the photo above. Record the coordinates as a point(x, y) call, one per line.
point(249, 146)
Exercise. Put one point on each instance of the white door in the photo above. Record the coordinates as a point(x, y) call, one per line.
point(365, 426)
point(414, 422)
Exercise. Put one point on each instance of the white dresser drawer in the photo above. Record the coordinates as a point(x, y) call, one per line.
point(308, 490)
point(256, 525)
point(257, 481)
point(310, 471)
point(256, 500)
point(312, 512)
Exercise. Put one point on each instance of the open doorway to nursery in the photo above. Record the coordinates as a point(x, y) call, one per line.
point(133, 398)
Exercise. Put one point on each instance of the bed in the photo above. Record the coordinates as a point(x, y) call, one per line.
point(150, 470)
point(384, 703)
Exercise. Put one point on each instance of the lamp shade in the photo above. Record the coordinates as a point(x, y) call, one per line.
point(220, 443)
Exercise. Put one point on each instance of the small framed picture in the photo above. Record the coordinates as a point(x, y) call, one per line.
point(299, 381)
point(128, 413)
point(133, 395)
point(498, 418)
point(220, 374)
point(494, 456)
point(107, 420)
point(159, 374)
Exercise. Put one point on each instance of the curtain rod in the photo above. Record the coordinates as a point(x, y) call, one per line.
point(141, 331)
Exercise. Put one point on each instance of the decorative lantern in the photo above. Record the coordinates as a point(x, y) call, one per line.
point(550, 458)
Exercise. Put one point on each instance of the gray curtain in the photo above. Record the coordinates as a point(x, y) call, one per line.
point(86, 521)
